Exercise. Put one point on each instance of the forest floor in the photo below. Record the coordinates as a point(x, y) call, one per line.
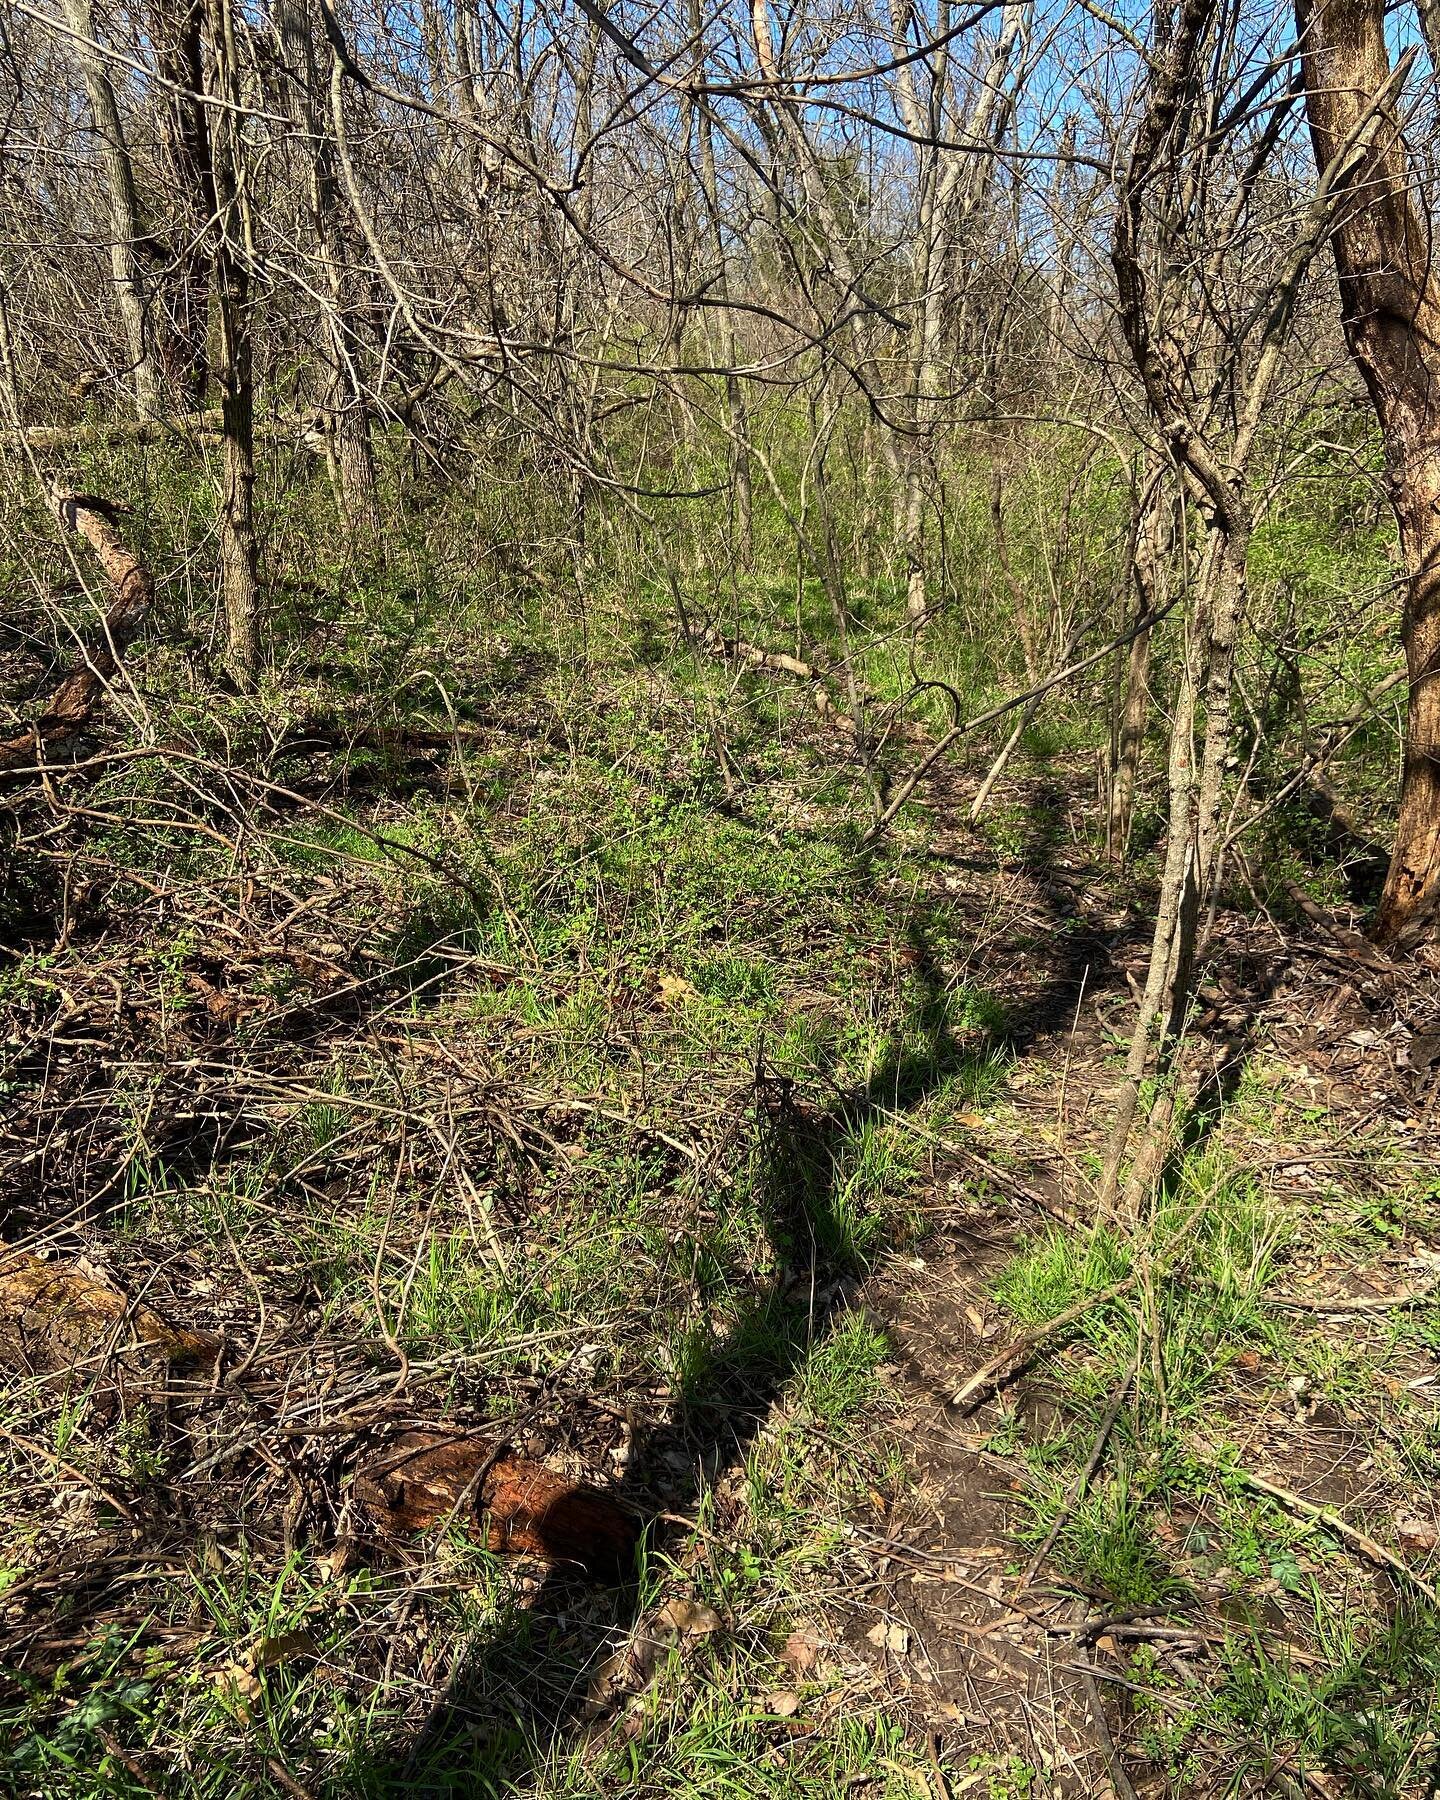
point(548, 1071)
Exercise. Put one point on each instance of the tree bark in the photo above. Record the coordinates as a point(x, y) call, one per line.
point(952, 185)
point(1149, 563)
point(126, 235)
point(1390, 309)
point(738, 425)
point(62, 1318)
point(425, 1479)
point(239, 579)
point(346, 411)
point(184, 291)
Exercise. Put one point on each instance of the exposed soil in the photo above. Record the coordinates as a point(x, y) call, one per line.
point(989, 1664)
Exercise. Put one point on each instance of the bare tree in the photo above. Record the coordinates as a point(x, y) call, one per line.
point(126, 231)
point(343, 398)
point(235, 363)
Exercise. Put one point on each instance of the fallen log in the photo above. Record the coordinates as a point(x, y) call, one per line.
point(133, 591)
point(60, 1316)
point(424, 1479)
point(184, 428)
point(735, 649)
point(64, 1318)
point(111, 433)
point(1354, 944)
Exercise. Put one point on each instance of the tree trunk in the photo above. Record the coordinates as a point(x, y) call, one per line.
point(342, 397)
point(1191, 860)
point(126, 235)
point(1148, 567)
point(239, 584)
point(737, 423)
point(181, 346)
point(1390, 309)
point(951, 187)
point(239, 581)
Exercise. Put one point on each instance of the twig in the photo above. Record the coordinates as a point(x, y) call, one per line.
point(942, 1784)
point(131, 1766)
point(242, 1368)
point(1031, 1341)
point(1081, 1482)
point(1331, 1520)
point(286, 1780)
point(1113, 1765)
point(66, 1468)
point(1361, 1303)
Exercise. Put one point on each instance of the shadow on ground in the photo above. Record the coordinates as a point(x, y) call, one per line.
point(521, 1698)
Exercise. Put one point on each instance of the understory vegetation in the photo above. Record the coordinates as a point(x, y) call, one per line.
point(719, 902)
point(541, 1058)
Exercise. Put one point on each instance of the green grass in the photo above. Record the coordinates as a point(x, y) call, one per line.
point(646, 939)
point(1168, 1521)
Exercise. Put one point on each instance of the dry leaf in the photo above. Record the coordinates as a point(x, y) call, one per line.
point(239, 1684)
point(692, 1617)
point(888, 1634)
point(285, 1646)
point(784, 1702)
point(675, 990)
point(802, 1650)
point(336, 1562)
point(1417, 1536)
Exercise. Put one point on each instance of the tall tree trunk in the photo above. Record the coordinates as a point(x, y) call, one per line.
point(126, 234)
point(238, 558)
point(342, 397)
point(1197, 791)
point(1149, 566)
point(184, 295)
point(952, 185)
point(1390, 308)
point(737, 423)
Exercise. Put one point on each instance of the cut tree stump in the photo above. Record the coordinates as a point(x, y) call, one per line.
point(61, 1316)
point(422, 1479)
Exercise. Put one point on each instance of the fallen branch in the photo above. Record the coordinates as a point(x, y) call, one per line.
point(183, 427)
point(115, 432)
point(74, 701)
point(1000, 1367)
point(1360, 1303)
point(737, 650)
point(902, 790)
point(1331, 1520)
point(1357, 947)
point(1076, 1492)
point(1119, 1780)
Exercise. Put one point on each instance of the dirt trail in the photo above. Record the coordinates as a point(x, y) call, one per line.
point(993, 1667)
